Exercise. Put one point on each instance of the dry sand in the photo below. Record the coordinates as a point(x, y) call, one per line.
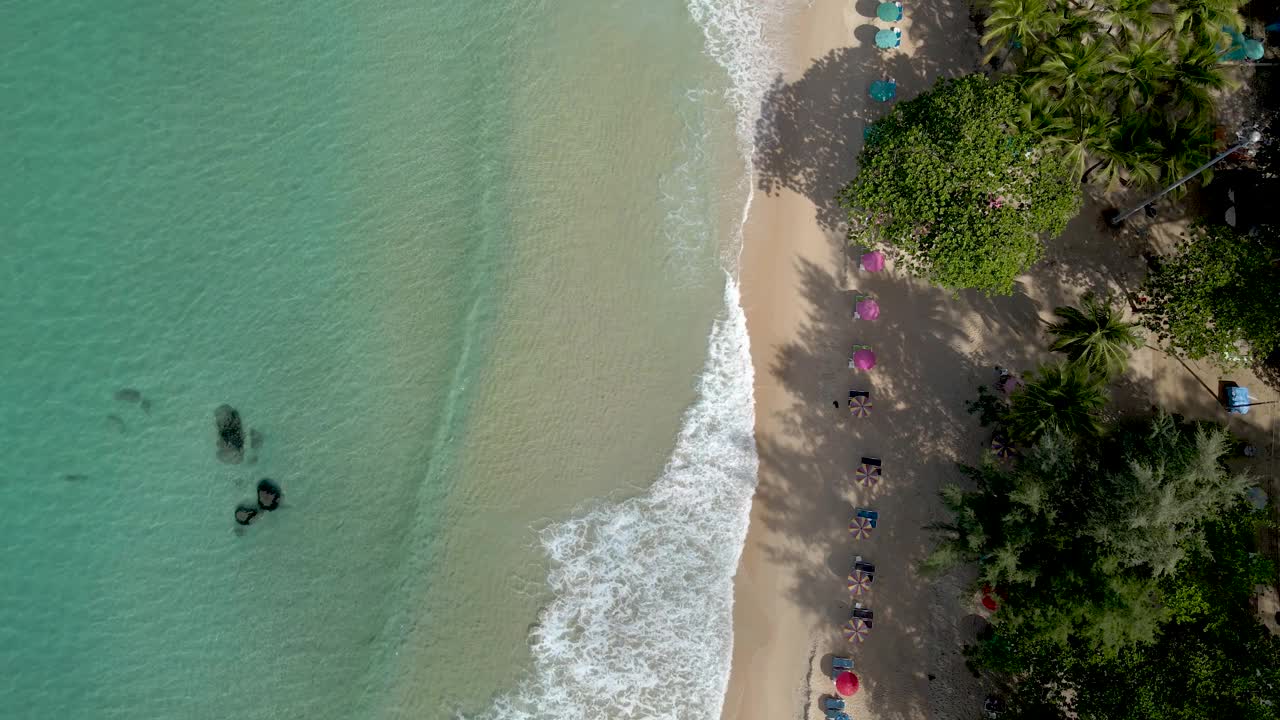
point(934, 349)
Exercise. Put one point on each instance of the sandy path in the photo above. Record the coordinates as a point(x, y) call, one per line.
point(934, 349)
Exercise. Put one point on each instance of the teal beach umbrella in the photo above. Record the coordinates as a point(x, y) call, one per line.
point(883, 90)
point(889, 11)
point(886, 39)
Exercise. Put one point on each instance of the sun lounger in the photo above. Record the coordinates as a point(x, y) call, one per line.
point(863, 566)
point(872, 515)
point(832, 703)
point(873, 462)
point(839, 665)
point(861, 612)
point(836, 715)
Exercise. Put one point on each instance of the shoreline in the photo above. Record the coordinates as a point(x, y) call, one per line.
point(797, 283)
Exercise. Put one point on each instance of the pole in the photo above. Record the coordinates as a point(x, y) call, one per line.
point(1117, 220)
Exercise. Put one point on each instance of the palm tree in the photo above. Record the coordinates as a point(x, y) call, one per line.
point(1129, 157)
point(1138, 71)
point(1196, 74)
point(1019, 22)
point(1067, 397)
point(1206, 18)
point(1081, 135)
point(1126, 19)
point(1094, 337)
point(1072, 70)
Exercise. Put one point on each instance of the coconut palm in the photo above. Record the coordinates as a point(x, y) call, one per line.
point(1130, 155)
point(1072, 70)
point(1137, 71)
point(1082, 135)
point(1094, 337)
point(1019, 22)
point(1206, 18)
point(1066, 396)
point(1196, 75)
point(1126, 20)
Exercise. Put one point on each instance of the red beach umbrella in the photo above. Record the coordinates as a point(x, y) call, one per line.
point(873, 261)
point(868, 309)
point(847, 683)
point(990, 603)
point(864, 359)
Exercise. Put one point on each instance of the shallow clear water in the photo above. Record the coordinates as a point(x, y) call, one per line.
point(457, 264)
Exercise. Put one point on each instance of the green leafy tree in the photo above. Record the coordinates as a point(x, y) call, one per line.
point(1209, 659)
point(1094, 336)
point(957, 190)
point(1066, 397)
point(1215, 296)
point(1083, 536)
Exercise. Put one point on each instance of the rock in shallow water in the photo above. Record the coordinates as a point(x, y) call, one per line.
point(245, 514)
point(128, 395)
point(269, 494)
point(230, 434)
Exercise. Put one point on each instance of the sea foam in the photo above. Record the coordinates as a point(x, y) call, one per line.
point(641, 620)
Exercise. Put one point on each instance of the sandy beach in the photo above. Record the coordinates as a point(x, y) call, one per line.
point(934, 349)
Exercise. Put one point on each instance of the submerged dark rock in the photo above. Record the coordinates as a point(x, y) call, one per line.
point(128, 395)
point(269, 494)
point(145, 404)
point(245, 514)
point(230, 434)
point(255, 438)
point(75, 477)
point(115, 424)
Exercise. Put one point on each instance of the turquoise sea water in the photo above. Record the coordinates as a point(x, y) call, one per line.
point(457, 264)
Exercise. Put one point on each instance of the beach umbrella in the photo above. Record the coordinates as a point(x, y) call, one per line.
point(886, 39)
point(868, 309)
point(860, 528)
point(847, 683)
point(859, 582)
point(883, 90)
point(990, 603)
point(889, 11)
point(866, 474)
point(874, 260)
point(864, 359)
point(1001, 448)
point(860, 406)
point(856, 629)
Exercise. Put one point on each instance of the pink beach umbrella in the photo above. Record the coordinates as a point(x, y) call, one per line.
point(873, 261)
point(847, 683)
point(868, 309)
point(864, 359)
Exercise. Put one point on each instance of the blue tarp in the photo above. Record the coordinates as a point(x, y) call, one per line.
point(1238, 400)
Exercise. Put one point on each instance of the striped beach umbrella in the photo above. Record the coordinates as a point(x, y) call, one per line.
point(859, 582)
point(1001, 448)
point(860, 528)
point(866, 474)
point(860, 406)
point(856, 629)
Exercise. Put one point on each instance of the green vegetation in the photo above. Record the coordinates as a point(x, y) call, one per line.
point(1121, 549)
point(1121, 87)
point(949, 181)
point(1216, 296)
point(1094, 337)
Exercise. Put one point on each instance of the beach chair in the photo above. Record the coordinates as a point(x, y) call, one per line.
point(863, 613)
point(862, 566)
point(871, 462)
point(1234, 397)
point(839, 665)
point(836, 715)
point(832, 703)
point(872, 516)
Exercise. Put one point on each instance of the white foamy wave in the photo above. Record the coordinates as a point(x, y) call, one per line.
point(641, 621)
point(735, 38)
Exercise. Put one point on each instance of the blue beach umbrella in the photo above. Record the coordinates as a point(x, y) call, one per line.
point(883, 90)
point(886, 39)
point(889, 11)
